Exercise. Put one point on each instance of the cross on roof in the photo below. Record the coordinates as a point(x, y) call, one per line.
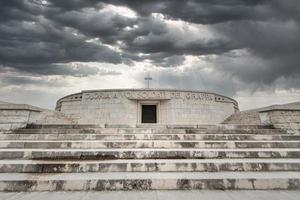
point(148, 79)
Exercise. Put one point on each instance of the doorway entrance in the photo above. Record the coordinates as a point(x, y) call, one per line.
point(149, 114)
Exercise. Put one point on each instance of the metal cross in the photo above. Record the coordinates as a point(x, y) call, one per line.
point(148, 79)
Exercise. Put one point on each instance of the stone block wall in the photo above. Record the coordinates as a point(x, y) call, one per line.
point(244, 117)
point(12, 119)
point(50, 117)
point(13, 116)
point(285, 119)
point(123, 107)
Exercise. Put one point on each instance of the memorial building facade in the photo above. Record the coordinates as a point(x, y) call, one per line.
point(131, 107)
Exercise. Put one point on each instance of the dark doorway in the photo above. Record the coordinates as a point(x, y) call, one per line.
point(148, 113)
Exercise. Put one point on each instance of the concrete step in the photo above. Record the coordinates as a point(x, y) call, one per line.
point(205, 126)
point(156, 195)
point(155, 126)
point(148, 165)
point(124, 144)
point(146, 131)
point(100, 131)
point(149, 181)
point(237, 131)
point(92, 136)
point(60, 126)
point(136, 153)
point(243, 126)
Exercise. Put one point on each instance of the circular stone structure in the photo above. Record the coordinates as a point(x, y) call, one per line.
point(131, 107)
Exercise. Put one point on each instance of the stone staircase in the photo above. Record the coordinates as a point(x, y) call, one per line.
point(86, 157)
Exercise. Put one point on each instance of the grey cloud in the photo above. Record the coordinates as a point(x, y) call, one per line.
point(40, 42)
point(64, 69)
point(19, 80)
point(95, 23)
point(204, 11)
point(74, 4)
point(103, 72)
point(171, 61)
point(45, 43)
point(43, 39)
point(194, 78)
point(274, 51)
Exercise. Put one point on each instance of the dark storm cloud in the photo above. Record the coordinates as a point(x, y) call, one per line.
point(43, 37)
point(268, 30)
point(35, 43)
point(94, 23)
point(203, 11)
point(76, 70)
point(216, 11)
point(171, 61)
point(274, 50)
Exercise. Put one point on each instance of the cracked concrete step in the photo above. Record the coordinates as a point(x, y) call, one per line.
point(204, 126)
point(148, 131)
point(101, 131)
point(124, 144)
point(155, 195)
point(92, 136)
point(149, 181)
point(61, 126)
point(165, 126)
point(110, 154)
point(237, 131)
point(148, 165)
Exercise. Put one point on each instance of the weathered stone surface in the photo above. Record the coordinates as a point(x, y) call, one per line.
point(146, 131)
point(115, 107)
point(244, 117)
point(14, 116)
point(105, 154)
point(148, 165)
point(286, 116)
point(150, 181)
point(125, 144)
point(86, 157)
point(154, 195)
point(157, 136)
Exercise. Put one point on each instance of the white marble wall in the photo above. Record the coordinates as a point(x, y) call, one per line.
point(122, 107)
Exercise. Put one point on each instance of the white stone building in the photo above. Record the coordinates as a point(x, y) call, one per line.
point(131, 107)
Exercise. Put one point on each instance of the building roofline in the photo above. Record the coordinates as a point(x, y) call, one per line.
point(146, 89)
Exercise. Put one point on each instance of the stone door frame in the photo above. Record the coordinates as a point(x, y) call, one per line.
point(148, 102)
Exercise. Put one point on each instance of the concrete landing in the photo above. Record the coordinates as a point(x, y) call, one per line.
point(154, 195)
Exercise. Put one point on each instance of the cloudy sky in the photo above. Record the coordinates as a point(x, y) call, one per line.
point(245, 49)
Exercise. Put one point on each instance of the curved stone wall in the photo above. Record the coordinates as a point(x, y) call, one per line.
point(123, 106)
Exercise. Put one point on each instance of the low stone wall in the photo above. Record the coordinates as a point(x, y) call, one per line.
point(244, 117)
point(13, 119)
point(285, 116)
point(14, 116)
point(285, 119)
